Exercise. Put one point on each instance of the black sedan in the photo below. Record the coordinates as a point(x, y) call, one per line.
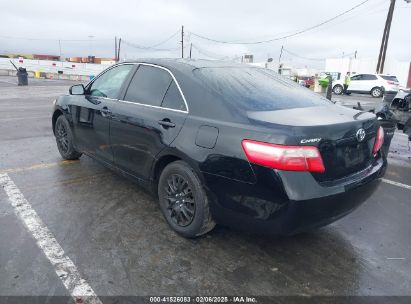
point(224, 143)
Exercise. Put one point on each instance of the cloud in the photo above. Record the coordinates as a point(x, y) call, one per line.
point(148, 22)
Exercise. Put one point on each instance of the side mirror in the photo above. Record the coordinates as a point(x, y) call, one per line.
point(77, 89)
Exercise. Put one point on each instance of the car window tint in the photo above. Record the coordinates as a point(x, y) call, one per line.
point(257, 89)
point(369, 77)
point(173, 98)
point(109, 84)
point(356, 77)
point(391, 78)
point(148, 85)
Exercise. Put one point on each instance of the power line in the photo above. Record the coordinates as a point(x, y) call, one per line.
point(314, 59)
point(52, 39)
point(286, 36)
point(140, 47)
point(212, 55)
point(164, 41)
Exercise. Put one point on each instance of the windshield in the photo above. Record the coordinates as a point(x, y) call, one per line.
point(257, 89)
point(391, 78)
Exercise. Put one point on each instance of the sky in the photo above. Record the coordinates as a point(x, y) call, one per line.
point(89, 27)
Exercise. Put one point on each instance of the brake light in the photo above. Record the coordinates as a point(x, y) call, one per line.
point(379, 140)
point(289, 158)
point(391, 82)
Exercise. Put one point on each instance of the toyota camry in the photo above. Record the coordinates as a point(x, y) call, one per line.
point(226, 143)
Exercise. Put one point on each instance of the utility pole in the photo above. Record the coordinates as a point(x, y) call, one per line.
point(115, 48)
point(91, 44)
point(60, 51)
point(118, 50)
point(281, 54)
point(384, 40)
point(182, 41)
point(191, 47)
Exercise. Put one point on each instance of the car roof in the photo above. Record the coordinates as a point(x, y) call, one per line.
point(183, 64)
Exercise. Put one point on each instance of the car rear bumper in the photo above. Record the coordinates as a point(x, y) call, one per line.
point(284, 204)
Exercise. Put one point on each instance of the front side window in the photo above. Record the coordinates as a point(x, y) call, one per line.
point(148, 86)
point(109, 84)
point(369, 77)
point(357, 77)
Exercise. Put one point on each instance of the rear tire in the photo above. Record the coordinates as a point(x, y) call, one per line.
point(183, 200)
point(64, 139)
point(377, 92)
point(338, 89)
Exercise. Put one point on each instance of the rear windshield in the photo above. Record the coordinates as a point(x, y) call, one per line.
point(257, 89)
point(392, 78)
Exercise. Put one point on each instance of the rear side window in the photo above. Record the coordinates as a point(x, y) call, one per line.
point(173, 98)
point(148, 86)
point(369, 77)
point(391, 78)
point(257, 89)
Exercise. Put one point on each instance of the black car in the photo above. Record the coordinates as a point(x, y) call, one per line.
point(225, 143)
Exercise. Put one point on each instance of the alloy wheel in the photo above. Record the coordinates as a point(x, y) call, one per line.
point(62, 137)
point(376, 92)
point(338, 90)
point(180, 199)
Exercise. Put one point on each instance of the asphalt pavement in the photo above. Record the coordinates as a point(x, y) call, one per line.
point(115, 235)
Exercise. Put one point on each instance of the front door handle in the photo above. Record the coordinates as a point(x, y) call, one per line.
point(105, 112)
point(166, 123)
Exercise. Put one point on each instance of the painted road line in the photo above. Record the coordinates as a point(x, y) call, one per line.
point(64, 267)
point(5, 81)
point(39, 166)
point(396, 184)
point(28, 117)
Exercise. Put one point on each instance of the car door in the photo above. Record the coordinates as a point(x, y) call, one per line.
point(356, 83)
point(91, 112)
point(147, 120)
point(368, 81)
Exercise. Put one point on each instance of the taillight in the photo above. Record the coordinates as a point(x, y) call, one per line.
point(391, 82)
point(289, 158)
point(379, 140)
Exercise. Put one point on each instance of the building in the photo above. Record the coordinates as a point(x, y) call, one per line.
point(401, 69)
point(46, 57)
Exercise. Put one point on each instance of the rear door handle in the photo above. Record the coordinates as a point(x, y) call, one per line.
point(105, 112)
point(166, 123)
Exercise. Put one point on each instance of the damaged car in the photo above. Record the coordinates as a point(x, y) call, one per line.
point(398, 111)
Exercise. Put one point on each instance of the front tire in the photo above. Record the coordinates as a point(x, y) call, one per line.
point(183, 200)
point(338, 89)
point(64, 139)
point(377, 92)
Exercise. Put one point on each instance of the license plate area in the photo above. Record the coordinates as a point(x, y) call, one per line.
point(353, 155)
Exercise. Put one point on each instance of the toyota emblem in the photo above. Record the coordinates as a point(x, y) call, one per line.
point(360, 135)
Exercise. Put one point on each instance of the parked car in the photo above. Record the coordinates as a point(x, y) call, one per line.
point(374, 84)
point(225, 143)
point(308, 80)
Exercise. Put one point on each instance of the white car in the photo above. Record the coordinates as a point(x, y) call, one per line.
point(374, 84)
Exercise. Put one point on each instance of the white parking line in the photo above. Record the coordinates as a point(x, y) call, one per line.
point(64, 267)
point(396, 184)
point(5, 81)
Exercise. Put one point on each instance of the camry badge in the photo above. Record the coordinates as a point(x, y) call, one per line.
point(360, 135)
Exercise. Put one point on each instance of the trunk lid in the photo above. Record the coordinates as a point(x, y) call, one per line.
point(334, 130)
